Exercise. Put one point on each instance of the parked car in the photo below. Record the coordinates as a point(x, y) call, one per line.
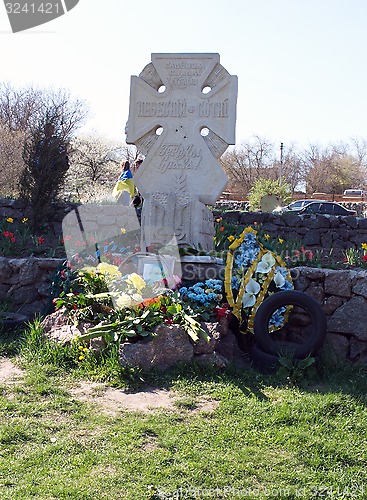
point(326, 207)
point(295, 206)
point(354, 192)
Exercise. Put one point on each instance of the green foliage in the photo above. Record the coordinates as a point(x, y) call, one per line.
point(295, 371)
point(263, 187)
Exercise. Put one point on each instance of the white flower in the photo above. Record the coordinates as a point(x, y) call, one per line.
point(266, 263)
point(124, 300)
point(252, 289)
point(279, 280)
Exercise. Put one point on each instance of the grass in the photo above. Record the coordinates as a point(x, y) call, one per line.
point(263, 439)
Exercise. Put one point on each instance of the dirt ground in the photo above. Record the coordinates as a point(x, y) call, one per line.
point(112, 401)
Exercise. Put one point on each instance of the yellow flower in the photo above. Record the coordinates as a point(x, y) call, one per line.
point(85, 349)
point(10, 219)
point(137, 281)
point(24, 219)
point(266, 236)
point(364, 246)
point(109, 269)
point(280, 240)
point(81, 358)
point(231, 238)
point(123, 230)
point(80, 347)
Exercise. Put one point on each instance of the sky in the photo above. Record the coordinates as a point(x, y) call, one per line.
point(301, 64)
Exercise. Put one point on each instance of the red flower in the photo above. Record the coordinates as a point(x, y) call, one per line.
point(168, 321)
point(364, 258)
point(221, 228)
point(41, 240)
point(75, 306)
point(6, 234)
point(13, 240)
point(221, 312)
point(11, 235)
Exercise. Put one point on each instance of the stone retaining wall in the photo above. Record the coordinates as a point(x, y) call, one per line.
point(25, 283)
point(315, 231)
point(343, 298)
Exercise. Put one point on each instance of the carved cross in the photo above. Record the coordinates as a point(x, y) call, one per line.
point(182, 117)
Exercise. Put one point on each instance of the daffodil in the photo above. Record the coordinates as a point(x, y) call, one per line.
point(24, 219)
point(231, 238)
point(266, 236)
point(10, 219)
point(266, 263)
point(123, 230)
point(251, 290)
point(364, 246)
point(280, 240)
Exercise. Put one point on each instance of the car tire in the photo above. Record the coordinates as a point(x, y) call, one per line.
point(267, 341)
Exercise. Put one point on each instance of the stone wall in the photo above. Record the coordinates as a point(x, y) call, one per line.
point(343, 298)
point(315, 231)
point(25, 283)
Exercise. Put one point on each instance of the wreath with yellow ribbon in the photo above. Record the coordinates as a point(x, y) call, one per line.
point(252, 273)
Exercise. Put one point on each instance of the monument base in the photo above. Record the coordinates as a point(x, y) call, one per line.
point(169, 217)
point(201, 268)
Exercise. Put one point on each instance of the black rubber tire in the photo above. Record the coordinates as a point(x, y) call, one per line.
point(262, 361)
point(10, 321)
point(295, 298)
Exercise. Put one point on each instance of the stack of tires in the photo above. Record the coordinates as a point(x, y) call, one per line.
point(268, 347)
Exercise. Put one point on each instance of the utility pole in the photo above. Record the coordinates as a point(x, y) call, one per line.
point(281, 161)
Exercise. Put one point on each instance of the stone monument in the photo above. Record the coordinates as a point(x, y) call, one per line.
point(182, 118)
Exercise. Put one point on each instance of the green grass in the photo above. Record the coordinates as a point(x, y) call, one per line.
point(263, 439)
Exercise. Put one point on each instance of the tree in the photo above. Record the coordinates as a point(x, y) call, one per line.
point(11, 161)
point(46, 160)
point(334, 168)
point(25, 108)
point(94, 164)
point(23, 115)
point(244, 165)
point(263, 187)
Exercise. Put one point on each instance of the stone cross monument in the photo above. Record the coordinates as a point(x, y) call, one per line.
point(182, 118)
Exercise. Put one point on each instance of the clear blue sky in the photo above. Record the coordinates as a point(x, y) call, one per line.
point(301, 64)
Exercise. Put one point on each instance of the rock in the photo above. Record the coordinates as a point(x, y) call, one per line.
point(360, 287)
point(358, 351)
point(331, 304)
point(5, 269)
point(338, 283)
point(350, 319)
point(322, 222)
point(316, 292)
point(312, 237)
point(213, 359)
point(171, 345)
point(337, 347)
point(351, 221)
point(292, 220)
point(203, 347)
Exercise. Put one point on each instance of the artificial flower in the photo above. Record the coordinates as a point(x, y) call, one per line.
point(249, 297)
point(279, 280)
point(266, 263)
point(231, 238)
